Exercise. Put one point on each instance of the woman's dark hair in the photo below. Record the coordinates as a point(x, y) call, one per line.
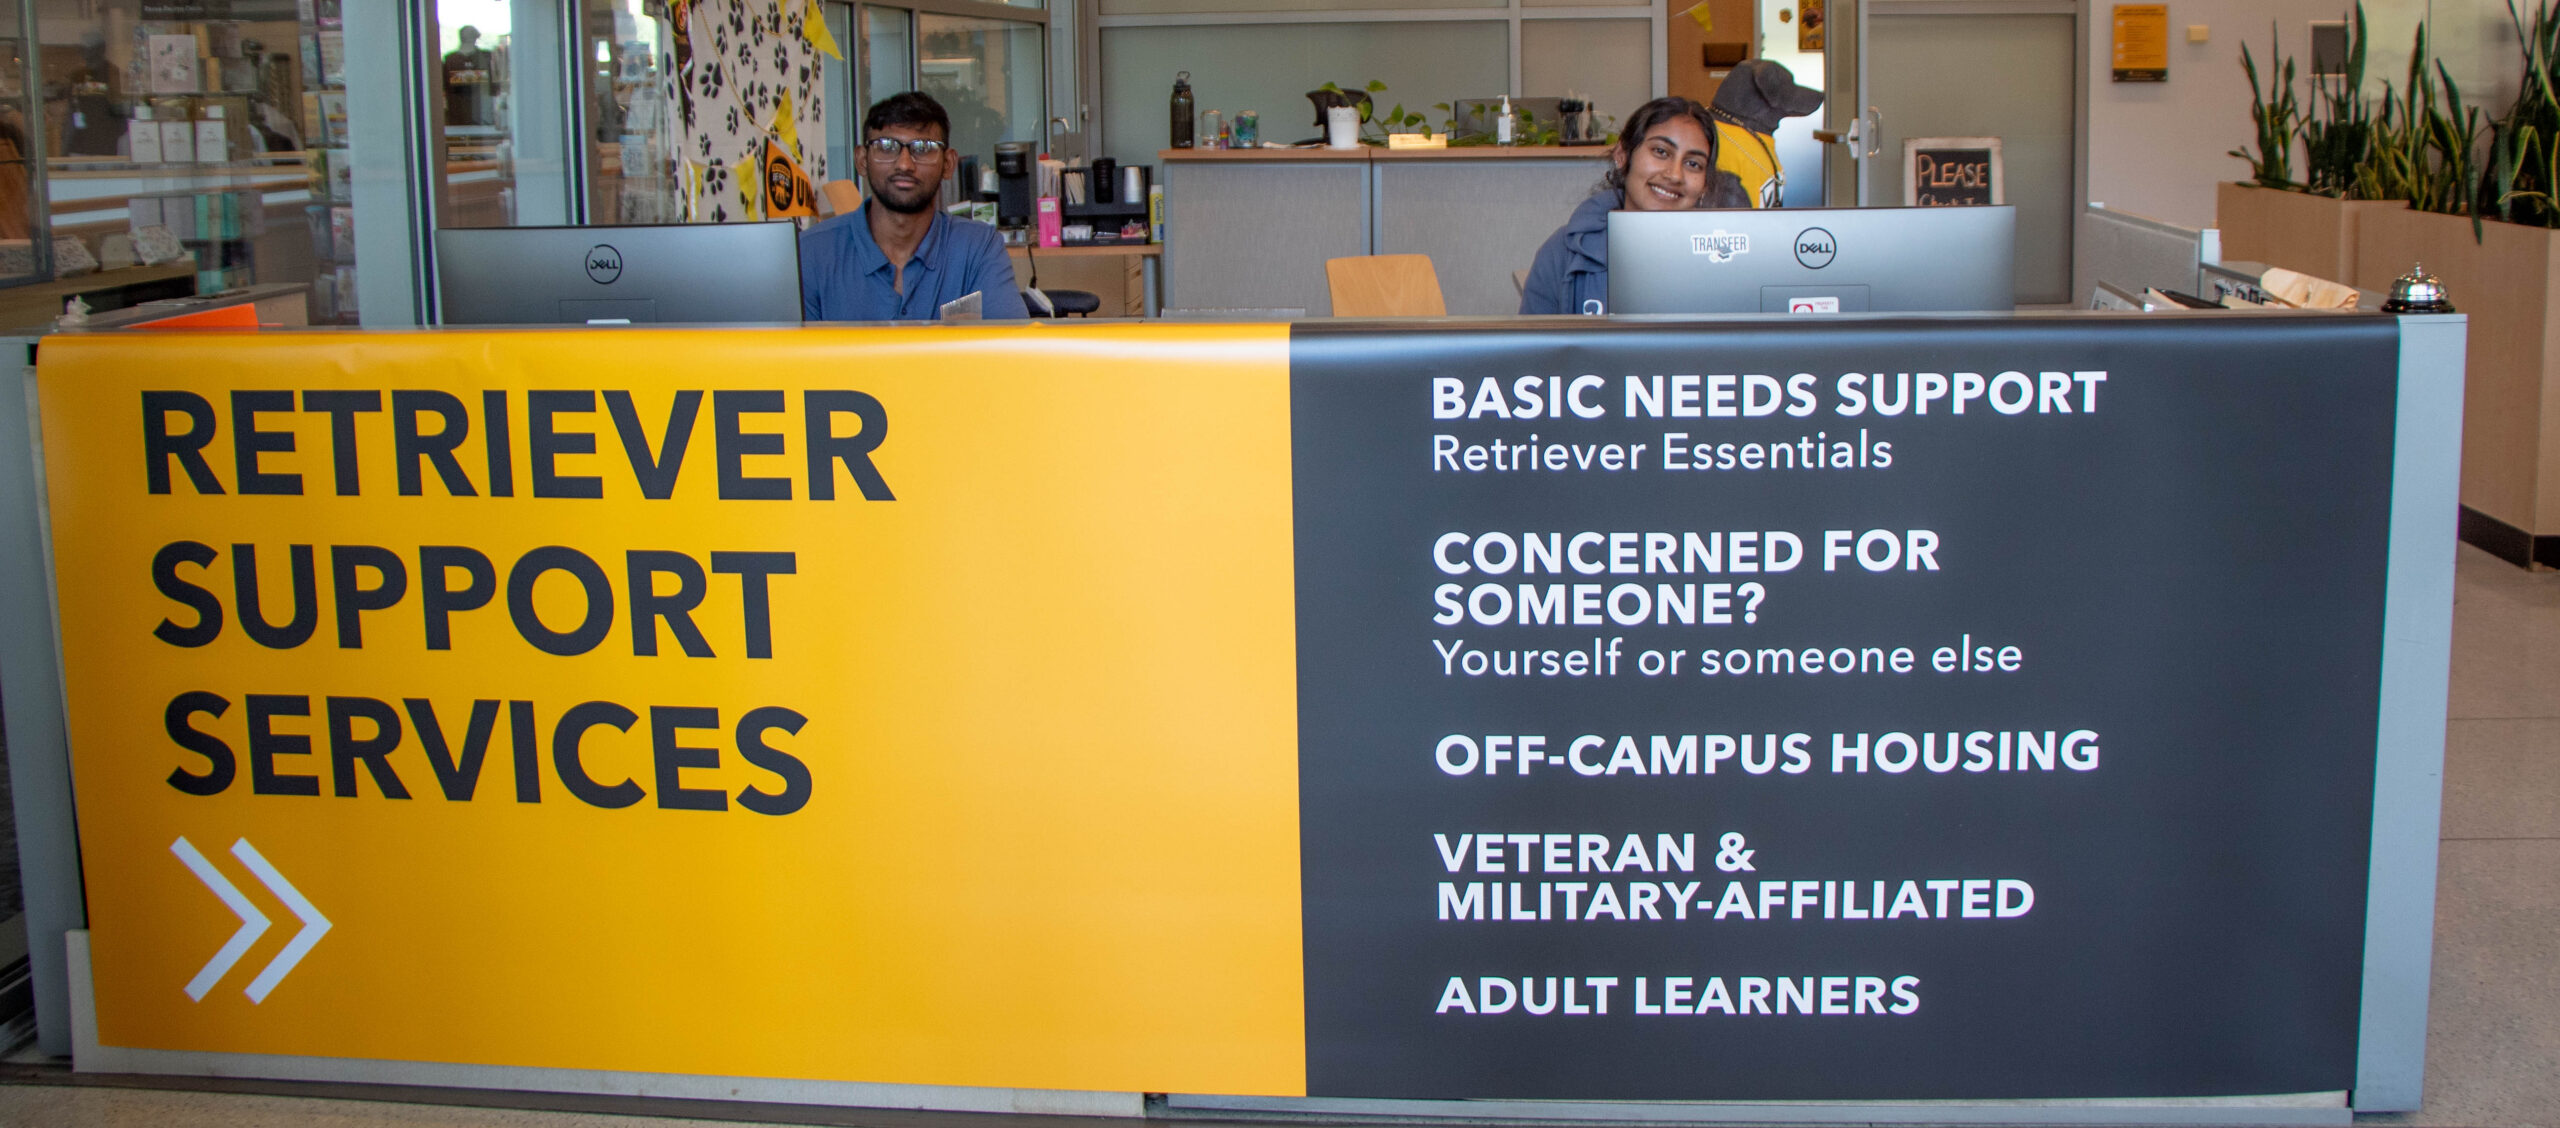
point(914, 107)
point(1642, 121)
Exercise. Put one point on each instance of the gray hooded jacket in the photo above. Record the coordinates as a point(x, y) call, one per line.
point(1571, 272)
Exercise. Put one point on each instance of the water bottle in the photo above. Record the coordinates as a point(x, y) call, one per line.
point(1182, 117)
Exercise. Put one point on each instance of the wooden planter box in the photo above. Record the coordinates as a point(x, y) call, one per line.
point(2506, 282)
point(2316, 235)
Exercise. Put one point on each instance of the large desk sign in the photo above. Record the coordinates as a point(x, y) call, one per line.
point(851, 705)
point(1969, 709)
point(1965, 708)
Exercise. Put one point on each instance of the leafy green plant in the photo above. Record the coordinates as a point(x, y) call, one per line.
point(1375, 126)
point(2275, 112)
point(2337, 135)
point(2524, 146)
point(2427, 143)
point(2453, 136)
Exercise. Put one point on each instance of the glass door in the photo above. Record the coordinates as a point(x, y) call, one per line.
point(630, 120)
point(474, 105)
point(2023, 58)
point(986, 63)
point(989, 74)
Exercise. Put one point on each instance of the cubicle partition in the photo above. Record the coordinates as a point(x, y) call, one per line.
point(1250, 229)
point(1968, 719)
point(2134, 253)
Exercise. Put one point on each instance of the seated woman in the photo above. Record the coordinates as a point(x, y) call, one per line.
point(1665, 160)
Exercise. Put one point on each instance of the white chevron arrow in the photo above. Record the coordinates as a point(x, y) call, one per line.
point(253, 923)
point(314, 926)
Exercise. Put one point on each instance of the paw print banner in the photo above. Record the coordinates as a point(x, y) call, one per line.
point(746, 82)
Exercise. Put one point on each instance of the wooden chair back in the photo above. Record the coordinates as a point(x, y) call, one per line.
point(1385, 286)
point(842, 195)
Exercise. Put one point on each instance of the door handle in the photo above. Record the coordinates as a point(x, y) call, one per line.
point(1862, 136)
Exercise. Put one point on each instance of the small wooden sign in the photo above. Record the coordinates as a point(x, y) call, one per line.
point(2142, 43)
point(1941, 172)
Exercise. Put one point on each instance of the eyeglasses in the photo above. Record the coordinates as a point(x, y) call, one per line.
point(884, 150)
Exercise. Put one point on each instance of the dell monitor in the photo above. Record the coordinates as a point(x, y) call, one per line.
point(689, 273)
point(1813, 260)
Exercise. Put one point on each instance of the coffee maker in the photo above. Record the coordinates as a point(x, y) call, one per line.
point(1016, 168)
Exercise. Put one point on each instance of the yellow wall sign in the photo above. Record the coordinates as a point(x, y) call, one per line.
point(2141, 43)
point(833, 704)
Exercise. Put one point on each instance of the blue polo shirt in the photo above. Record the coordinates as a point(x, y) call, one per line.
point(845, 277)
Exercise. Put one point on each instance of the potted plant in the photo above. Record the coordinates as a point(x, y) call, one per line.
point(2310, 225)
point(2481, 220)
point(1375, 126)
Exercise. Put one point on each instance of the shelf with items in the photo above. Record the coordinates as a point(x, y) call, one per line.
point(241, 104)
point(330, 215)
point(219, 229)
point(176, 130)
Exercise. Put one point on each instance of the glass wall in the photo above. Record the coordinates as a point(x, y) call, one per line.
point(1607, 63)
point(1265, 55)
point(630, 121)
point(473, 38)
point(1268, 68)
point(888, 55)
point(990, 72)
point(190, 146)
point(24, 250)
point(843, 113)
point(990, 75)
point(186, 146)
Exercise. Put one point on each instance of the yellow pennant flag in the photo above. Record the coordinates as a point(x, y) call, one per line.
point(1706, 19)
point(786, 188)
point(785, 124)
point(692, 189)
point(813, 27)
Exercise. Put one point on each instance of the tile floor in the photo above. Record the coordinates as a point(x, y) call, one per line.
point(2493, 1057)
point(2493, 1030)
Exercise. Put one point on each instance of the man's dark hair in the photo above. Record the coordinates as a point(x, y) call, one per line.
point(915, 107)
point(1654, 113)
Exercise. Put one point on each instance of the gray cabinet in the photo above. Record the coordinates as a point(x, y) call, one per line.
point(1252, 230)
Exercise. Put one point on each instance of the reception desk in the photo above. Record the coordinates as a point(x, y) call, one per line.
point(2000, 718)
point(1250, 229)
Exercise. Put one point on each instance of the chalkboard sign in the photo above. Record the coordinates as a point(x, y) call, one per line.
point(1942, 172)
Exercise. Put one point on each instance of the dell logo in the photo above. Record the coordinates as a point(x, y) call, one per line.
point(1720, 245)
point(604, 264)
point(1815, 248)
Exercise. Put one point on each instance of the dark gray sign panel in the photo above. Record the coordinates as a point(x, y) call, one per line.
point(1879, 709)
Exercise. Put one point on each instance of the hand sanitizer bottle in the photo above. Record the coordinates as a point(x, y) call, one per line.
point(1503, 126)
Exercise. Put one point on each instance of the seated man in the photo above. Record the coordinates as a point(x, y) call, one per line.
point(898, 258)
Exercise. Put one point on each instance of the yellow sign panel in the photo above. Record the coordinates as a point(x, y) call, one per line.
point(2141, 43)
point(875, 705)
